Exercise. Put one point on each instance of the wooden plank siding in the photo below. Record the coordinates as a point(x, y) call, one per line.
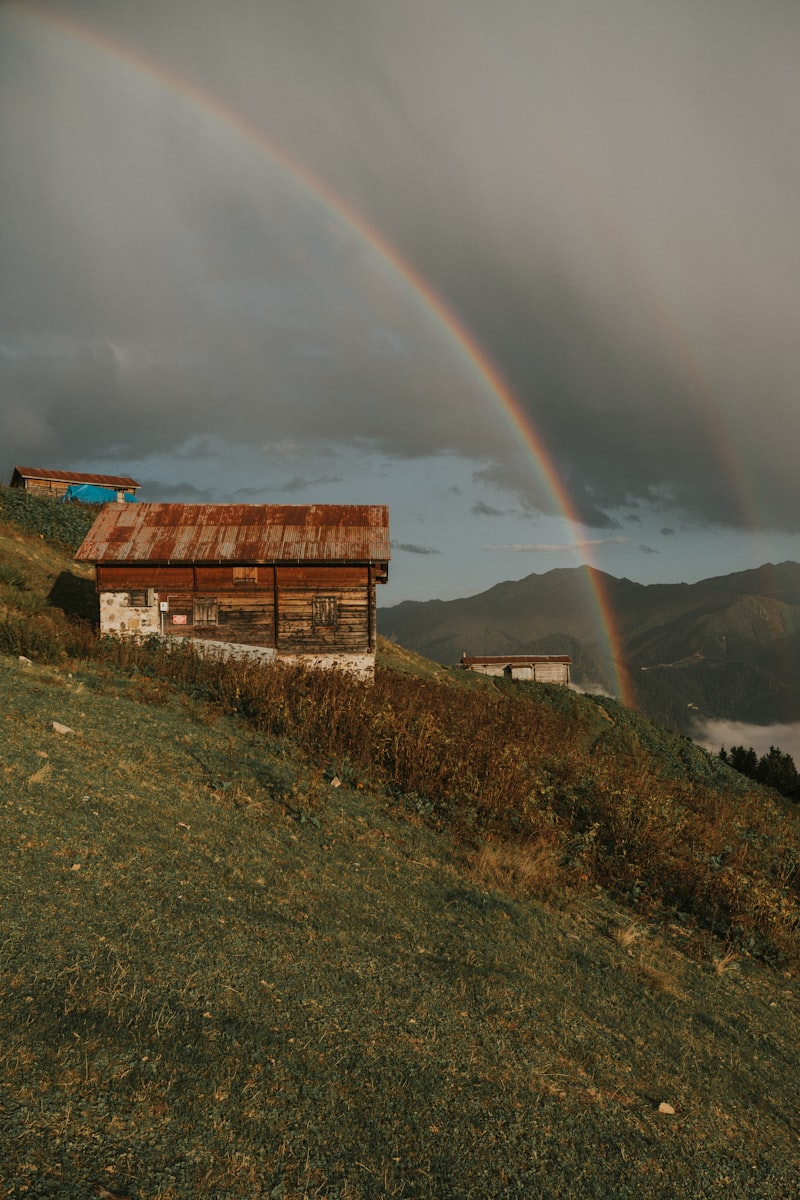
point(243, 619)
point(304, 609)
point(220, 578)
point(298, 630)
point(127, 577)
point(45, 487)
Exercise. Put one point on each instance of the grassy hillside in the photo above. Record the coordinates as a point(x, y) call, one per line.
point(278, 935)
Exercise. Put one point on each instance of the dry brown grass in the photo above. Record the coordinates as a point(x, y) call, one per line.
point(650, 959)
point(631, 934)
point(727, 962)
point(533, 866)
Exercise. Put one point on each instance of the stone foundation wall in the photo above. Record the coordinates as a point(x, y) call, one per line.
point(118, 616)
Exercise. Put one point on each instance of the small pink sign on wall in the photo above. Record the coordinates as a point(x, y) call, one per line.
point(179, 618)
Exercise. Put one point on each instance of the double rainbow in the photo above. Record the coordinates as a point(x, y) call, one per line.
point(35, 21)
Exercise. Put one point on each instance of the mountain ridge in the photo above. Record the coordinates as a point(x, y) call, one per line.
point(736, 637)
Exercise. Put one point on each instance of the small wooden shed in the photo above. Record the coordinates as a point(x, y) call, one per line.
point(541, 668)
point(269, 580)
point(42, 481)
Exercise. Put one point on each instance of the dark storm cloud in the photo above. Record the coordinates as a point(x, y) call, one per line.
point(605, 196)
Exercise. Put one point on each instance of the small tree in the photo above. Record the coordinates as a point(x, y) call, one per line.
point(743, 761)
point(777, 770)
point(774, 769)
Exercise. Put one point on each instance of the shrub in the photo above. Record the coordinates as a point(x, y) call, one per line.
point(64, 524)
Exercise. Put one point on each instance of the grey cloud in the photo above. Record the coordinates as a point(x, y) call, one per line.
point(545, 547)
point(607, 201)
point(298, 484)
point(482, 509)
point(175, 493)
point(244, 495)
point(412, 548)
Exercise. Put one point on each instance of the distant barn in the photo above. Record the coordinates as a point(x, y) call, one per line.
point(41, 481)
point(294, 581)
point(541, 668)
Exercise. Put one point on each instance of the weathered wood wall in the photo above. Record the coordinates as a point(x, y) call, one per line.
point(45, 487)
point(306, 609)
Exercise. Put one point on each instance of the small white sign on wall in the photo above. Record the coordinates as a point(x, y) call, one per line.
point(163, 605)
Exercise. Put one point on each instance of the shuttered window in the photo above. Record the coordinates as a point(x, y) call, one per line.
point(141, 598)
point(245, 574)
point(204, 610)
point(324, 610)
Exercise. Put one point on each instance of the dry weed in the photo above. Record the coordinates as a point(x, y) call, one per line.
point(729, 961)
point(41, 775)
point(630, 935)
point(656, 976)
point(532, 865)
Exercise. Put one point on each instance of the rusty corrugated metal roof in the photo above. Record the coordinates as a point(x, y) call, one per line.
point(117, 481)
point(512, 660)
point(249, 533)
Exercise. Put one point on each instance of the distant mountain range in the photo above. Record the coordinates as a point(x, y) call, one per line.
point(727, 647)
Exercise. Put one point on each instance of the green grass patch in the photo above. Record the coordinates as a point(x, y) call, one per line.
point(224, 975)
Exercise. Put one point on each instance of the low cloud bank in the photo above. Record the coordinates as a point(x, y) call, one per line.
point(715, 734)
point(591, 689)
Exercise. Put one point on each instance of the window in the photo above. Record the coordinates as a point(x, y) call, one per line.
point(204, 610)
point(245, 574)
point(324, 610)
point(141, 598)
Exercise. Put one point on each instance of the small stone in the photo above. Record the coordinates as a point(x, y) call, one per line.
point(666, 1108)
point(59, 728)
point(336, 781)
point(26, 662)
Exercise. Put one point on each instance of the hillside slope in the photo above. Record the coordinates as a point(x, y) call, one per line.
point(727, 647)
point(224, 976)
point(270, 933)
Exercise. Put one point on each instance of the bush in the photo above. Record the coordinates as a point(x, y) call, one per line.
point(64, 524)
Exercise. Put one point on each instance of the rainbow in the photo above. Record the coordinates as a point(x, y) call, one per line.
point(463, 339)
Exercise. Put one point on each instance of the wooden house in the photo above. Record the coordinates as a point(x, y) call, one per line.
point(541, 668)
point(43, 482)
point(267, 580)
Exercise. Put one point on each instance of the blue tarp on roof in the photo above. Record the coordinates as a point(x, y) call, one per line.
point(91, 493)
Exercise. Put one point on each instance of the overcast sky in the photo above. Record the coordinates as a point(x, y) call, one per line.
point(245, 249)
